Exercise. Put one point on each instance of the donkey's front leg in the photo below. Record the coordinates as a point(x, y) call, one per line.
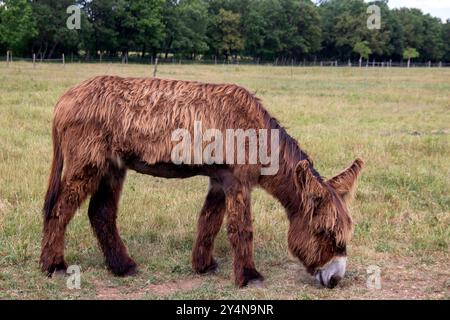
point(240, 233)
point(209, 223)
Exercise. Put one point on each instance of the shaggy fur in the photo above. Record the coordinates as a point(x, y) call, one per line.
point(107, 125)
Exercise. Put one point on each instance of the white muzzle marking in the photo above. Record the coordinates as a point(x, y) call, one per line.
point(330, 275)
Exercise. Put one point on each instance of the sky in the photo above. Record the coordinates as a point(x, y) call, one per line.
point(437, 8)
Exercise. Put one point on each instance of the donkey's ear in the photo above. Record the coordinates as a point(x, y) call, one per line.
point(345, 182)
point(304, 178)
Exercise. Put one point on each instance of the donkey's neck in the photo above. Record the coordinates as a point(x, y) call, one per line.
point(282, 185)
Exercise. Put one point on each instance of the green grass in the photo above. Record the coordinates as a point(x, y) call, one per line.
point(398, 120)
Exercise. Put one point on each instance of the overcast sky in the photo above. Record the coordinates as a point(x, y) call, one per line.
point(437, 8)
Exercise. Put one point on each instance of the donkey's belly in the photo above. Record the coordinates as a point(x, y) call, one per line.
point(171, 170)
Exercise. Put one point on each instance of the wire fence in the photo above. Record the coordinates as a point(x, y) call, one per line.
point(276, 62)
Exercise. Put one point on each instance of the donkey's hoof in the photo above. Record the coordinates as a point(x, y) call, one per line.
point(252, 278)
point(59, 273)
point(127, 270)
point(55, 269)
point(212, 268)
point(256, 283)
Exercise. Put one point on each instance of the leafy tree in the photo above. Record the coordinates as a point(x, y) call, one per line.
point(230, 40)
point(186, 26)
point(362, 48)
point(262, 29)
point(410, 53)
point(345, 24)
point(422, 32)
point(446, 40)
point(52, 32)
point(139, 25)
point(17, 25)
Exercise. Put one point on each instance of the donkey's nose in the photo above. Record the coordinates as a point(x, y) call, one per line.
point(334, 280)
point(330, 275)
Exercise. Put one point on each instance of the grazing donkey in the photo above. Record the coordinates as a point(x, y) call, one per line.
point(107, 125)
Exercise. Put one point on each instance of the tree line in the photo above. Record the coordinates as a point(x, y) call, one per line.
point(260, 30)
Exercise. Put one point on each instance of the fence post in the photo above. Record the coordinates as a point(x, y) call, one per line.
point(63, 60)
point(429, 64)
point(440, 64)
point(7, 57)
point(155, 69)
point(34, 60)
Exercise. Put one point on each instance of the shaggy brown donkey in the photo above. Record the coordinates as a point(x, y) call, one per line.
point(107, 125)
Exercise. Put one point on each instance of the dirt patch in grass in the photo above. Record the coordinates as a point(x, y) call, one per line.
point(105, 292)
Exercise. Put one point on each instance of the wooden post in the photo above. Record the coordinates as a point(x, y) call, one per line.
point(429, 64)
point(63, 60)
point(373, 63)
point(155, 69)
point(336, 63)
point(7, 57)
point(440, 64)
point(34, 60)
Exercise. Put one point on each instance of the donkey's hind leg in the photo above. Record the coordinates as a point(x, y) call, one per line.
point(74, 190)
point(102, 215)
point(209, 223)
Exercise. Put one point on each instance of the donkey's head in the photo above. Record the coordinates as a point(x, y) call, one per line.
point(319, 231)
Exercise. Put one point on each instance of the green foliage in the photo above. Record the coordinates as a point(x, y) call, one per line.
point(410, 53)
point(228, 24)
point(258, 29)
point(362, 48)
point(422, 32)
point(53, 36)
point(186, 24)
point(17, 25)
point(446, 40)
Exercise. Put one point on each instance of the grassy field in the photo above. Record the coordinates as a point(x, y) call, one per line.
point(397, 120)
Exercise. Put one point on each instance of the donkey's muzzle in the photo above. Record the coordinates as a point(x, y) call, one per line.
point(330, 275)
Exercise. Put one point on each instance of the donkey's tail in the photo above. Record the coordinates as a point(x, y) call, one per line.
point(54, 181)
